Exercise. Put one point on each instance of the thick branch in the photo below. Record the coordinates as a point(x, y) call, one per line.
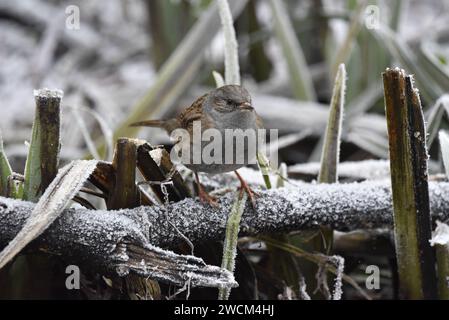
point(93, 235)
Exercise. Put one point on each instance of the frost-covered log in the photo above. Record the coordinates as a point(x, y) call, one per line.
point(92, 236)
point(111, 241)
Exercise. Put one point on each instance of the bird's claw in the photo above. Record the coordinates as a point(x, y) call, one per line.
point(252, 195)
point(207, 198)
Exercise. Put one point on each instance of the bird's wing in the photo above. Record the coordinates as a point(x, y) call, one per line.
point(192, 113)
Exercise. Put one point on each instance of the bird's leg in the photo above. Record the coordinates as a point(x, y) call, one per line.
point(245, 187)
point(204, 196)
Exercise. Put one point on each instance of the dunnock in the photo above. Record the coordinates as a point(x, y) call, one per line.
point(227, 107)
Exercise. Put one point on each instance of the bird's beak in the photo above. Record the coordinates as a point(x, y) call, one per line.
point(246, 106)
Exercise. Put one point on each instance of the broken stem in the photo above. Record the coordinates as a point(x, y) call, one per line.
point(408, 166)
point(43, 157)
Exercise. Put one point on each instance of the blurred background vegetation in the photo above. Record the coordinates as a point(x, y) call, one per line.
point(137, 59)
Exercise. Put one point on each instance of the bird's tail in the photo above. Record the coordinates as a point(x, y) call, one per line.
point(149, 123)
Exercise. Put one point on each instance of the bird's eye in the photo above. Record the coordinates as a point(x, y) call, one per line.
point(229, 102)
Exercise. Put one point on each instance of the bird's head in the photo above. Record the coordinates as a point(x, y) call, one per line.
point(230, 106)
point(229, 99)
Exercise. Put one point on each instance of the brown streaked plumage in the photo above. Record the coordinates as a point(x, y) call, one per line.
point(227, 107)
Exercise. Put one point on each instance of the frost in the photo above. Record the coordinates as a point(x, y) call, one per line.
point(122, 271)
point(95, 236)
point(182, 270)
point(156, 154)
point(46, 93)
point(366, 169)
point(340, 264)
point(303, 289)
point(56, 197)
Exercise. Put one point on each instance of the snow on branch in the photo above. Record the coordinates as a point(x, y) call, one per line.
point(93, 236)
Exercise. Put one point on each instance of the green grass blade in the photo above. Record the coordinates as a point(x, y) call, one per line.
point(331, 146)
point(5, 169)
point(232, 68)
point(344, 51)
point(434, 117)
point(231, 238)
point(444, 145)
point(300, 78)
point(430, 90)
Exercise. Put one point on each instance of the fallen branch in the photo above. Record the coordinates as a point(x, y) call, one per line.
point(111, 241)
point(93, 236)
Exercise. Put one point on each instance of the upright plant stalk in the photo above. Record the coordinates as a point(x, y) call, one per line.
point(264, 168)
point(232, 68)
point(5, 170)
point(43, 157)
point(219, 81)
point(322, 241)
point(40, 169)
point(408, 165)
point(230, 242)
point(300, 78)
point(344, 51)
point(232, 76)
point(330, 154)
point(283, 174)
point(283, 263)
point(125, 195)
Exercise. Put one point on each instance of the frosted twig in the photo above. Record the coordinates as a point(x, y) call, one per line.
point(340, 265)
point(166, 202)
point(165, 192)
point(185, 287)
point(321, 276)
point(303, 288)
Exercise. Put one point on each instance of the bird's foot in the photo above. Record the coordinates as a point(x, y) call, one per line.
point(252, 195)
point(204, 196)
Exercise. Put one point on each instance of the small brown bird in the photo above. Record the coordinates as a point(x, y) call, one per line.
point(227, 107)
